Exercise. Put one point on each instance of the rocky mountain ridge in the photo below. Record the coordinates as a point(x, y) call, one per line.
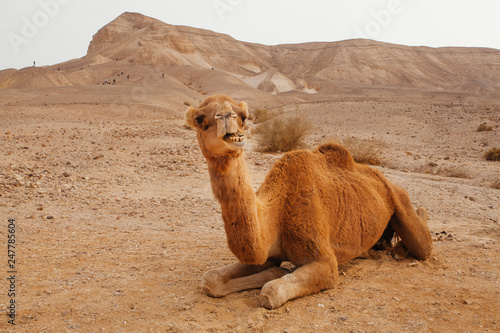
point(133, 39)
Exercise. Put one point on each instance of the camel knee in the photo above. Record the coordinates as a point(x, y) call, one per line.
point(306, 280)
point(274, 293)
point(424, 251)
point(213, 282)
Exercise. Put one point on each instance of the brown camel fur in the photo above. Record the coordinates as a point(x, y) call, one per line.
point(316, 209)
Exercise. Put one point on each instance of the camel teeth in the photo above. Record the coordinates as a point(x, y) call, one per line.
point(236, 138)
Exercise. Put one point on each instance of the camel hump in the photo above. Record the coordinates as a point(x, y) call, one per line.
point(337, 155)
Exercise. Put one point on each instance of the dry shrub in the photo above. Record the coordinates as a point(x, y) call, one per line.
point(456, 172)
point(280, 134)
point(451, 171)
point(425, 169)
point(493, 154)
point(262, 115)
point(365, 151)
point(484, 128)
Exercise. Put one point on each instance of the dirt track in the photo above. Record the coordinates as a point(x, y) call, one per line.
point(116, 222)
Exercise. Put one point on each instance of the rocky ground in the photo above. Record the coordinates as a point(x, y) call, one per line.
point(116, 223)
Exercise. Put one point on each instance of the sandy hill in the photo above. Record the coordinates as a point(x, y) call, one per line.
point(136, 40)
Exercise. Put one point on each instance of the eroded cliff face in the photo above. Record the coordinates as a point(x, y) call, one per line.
point(137, 38)
point(134, 39)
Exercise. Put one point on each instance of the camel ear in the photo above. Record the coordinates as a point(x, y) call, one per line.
point(244, 106)
point(189, 117)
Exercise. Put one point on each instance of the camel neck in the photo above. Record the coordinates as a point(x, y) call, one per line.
point(236, 196)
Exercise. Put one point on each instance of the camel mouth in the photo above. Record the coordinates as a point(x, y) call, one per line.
point(236, 140)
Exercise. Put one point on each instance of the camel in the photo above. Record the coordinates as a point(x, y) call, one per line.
point(316, 209)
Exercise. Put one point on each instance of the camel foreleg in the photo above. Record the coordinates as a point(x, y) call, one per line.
point(308, 279)
point(238, 277)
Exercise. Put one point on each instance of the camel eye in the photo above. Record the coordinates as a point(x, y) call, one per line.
point(199, 120)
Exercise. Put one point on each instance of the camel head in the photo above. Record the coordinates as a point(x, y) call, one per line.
point(219, 124)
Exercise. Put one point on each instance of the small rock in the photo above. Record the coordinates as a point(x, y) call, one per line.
point(66, 174)
point(50, 217)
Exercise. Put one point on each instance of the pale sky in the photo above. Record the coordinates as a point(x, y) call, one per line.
point(54, 31)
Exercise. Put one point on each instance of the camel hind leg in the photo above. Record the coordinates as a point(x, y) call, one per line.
point(411, 225)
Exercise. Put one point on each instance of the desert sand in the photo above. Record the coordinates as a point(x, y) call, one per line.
point(116, 222)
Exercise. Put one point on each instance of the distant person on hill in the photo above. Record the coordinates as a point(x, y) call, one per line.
point(33, 63)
